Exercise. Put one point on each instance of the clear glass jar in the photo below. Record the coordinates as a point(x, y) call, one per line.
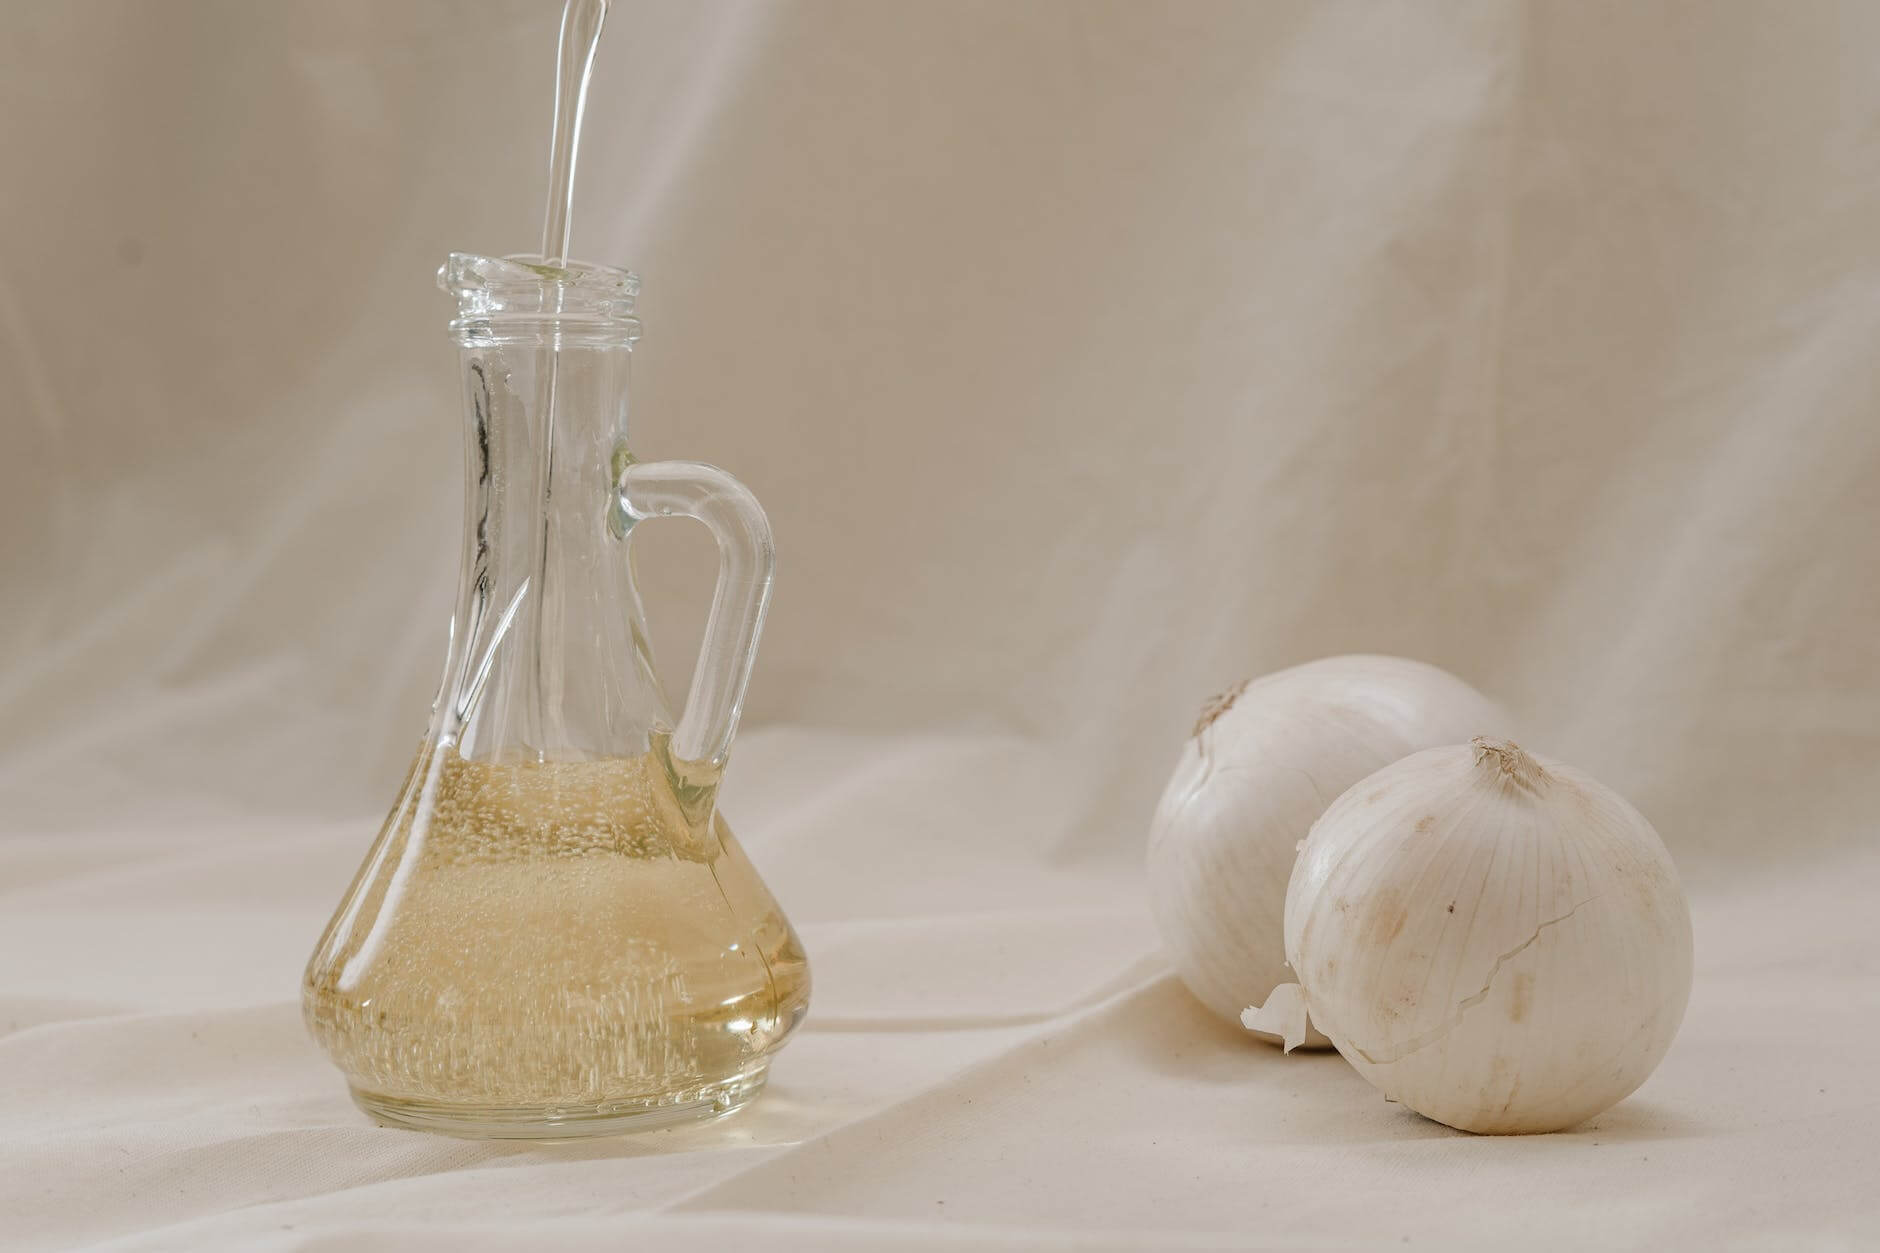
point(555, 933)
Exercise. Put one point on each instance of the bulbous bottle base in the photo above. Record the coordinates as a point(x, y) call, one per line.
point(553, 950)
point(569, 1122)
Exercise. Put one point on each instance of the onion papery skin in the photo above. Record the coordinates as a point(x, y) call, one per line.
point(1494, 939)
point(1263, 762)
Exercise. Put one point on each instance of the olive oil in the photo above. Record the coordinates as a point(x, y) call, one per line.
point(561, 936)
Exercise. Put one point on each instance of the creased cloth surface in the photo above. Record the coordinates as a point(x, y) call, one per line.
point(1088, 357)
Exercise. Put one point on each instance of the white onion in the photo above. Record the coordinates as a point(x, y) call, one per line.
point(1264, 761)
point(1495, 940)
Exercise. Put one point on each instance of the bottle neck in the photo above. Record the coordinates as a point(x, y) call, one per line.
point(550, 666)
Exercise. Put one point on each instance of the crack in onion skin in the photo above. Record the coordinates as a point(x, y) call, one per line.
point(1493, 939)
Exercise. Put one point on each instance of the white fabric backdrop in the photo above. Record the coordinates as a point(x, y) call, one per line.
point(1087, 357)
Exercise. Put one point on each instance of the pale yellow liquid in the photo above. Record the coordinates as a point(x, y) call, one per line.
point(556, 935)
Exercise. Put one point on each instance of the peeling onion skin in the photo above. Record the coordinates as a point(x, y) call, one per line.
point(1495, 940)
point(1264, 761)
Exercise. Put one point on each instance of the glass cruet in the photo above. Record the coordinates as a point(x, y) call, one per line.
point(555, 933)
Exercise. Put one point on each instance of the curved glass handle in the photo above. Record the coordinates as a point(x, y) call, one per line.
point(746, 561)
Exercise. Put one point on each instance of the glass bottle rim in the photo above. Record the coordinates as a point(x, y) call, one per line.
point(520, 294)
